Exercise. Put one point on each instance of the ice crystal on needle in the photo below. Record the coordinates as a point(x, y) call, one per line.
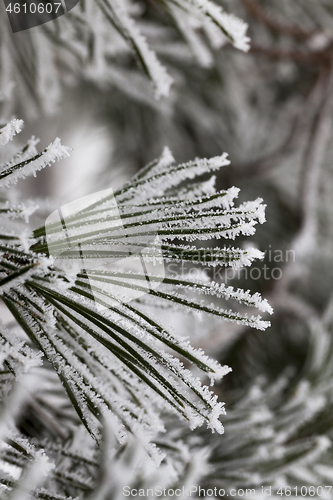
point(73, 286)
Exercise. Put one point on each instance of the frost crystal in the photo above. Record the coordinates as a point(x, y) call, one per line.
point(77, 287)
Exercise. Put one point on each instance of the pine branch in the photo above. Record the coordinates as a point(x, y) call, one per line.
point(78, 303)
point(93, 36)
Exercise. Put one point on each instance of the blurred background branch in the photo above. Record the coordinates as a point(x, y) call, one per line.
point(271, 110)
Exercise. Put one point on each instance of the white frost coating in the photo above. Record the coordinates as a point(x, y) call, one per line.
point(214, 34)
point(228, 292)
point(247, 256)
point(39, 467)
point(173, 364)
point(27, 210)
point(188, 26)
point(25, 237)
point(166, 159)
point(158, 166)
point(107, 356)
point(227, 315)
point(156, 185)
point(200, 284)
point(15, 280)
point(54, 152)
point(25, 154)
point(237, 28)
point(216, 256)
point(257, 208)
point(158, 74)
point(214, 369)
point(23, 357)
point(9, 131)
point(232, 27)
point(206, 188)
